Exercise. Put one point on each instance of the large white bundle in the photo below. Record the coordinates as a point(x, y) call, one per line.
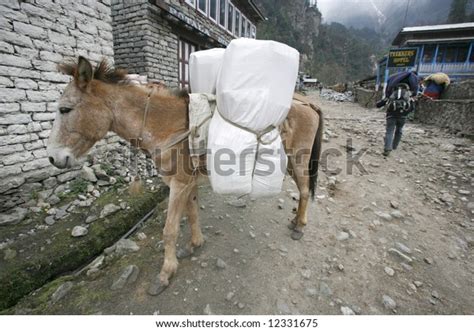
point(204, 67)
point(254, 91)
point(232, 158)
point(270, 168)
point(239, 165)
point(256, 83)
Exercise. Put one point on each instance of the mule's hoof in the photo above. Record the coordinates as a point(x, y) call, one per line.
point(156, 287)
point(183, 253)
point(292, 226)
point(297, 234)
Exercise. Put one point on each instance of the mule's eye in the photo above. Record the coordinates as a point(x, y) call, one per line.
point(64, 110)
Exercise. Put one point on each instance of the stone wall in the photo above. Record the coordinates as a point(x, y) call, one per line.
point(463, 90)
point(35, 35)
point(456, 115)
point(146, 43)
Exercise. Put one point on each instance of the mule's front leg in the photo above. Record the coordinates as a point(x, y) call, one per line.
point(179, 193)
point(197, 239)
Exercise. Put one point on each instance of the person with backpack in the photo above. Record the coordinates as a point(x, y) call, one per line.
point(401, 90)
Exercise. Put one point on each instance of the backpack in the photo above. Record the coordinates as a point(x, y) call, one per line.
point(399, 102)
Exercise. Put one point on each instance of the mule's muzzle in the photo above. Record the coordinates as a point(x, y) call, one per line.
point(61, 159)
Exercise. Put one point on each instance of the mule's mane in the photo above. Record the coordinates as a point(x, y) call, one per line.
point(108, 74)
point(104, 72)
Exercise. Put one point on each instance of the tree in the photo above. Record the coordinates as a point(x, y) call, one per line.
point(457, 14)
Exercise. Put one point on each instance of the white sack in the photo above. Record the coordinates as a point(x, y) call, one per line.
point(204, 67)
point(270, 168)
point(256, 82)
point(231, 157)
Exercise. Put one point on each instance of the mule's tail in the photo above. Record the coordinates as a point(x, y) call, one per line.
point(315, 154)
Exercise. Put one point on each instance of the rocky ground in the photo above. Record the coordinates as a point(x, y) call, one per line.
point(331, 95)
point(394, 236)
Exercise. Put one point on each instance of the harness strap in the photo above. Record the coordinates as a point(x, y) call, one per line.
point(175, 140)
point(193, 131)
point(258, 134)
point(145, 114)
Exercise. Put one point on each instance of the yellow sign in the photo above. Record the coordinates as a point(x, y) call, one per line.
point(405, 57)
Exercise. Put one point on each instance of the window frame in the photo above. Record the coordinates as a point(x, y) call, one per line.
point(249, 30)
point(236, 30)
point(216, 19)
point(441, 54)
point(243, 25)
point(466, 48)
point(183, 61)
point(191, 3)
point(431, 53)
point(223, 24)
point(253, 31)
point(229, 28)
point(205, 12)
point(452, 53)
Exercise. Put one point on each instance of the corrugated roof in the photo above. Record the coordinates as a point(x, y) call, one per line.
point(469, 25)
point(438, 40)
point(466, 29)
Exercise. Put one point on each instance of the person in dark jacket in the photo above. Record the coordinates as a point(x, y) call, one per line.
point(401, 90)
point(406, 77)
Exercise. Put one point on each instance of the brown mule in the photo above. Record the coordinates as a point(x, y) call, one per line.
point(97, 101)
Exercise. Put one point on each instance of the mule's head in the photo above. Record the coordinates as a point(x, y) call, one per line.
point(83, 116)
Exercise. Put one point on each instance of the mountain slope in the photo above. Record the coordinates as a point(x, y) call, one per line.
point(338, 52)
point(332, 53)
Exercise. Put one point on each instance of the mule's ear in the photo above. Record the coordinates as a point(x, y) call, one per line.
point(83, 75)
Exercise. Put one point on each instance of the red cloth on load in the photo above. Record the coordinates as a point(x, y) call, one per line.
point(433, 90)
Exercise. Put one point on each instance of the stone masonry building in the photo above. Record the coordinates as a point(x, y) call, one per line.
point(156, 37)
point(35, 35)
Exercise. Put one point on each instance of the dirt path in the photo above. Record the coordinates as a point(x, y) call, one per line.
point(398, 239)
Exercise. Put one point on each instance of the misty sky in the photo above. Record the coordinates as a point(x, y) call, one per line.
point(340, 10)
point(377, 14)
point(384, 14)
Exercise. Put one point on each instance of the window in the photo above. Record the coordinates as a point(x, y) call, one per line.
point(237, 23)
point(191, 3)
point(247, 32)
point(222, 12)
point(213, 10)
point(253, 33)
point(462, 53)
point(243, 25)
point(441, 52)
point(202, 6)
point(184, 50)
point(451, 53)
point(471, 58)
point(230, 17)
point(428, 53)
